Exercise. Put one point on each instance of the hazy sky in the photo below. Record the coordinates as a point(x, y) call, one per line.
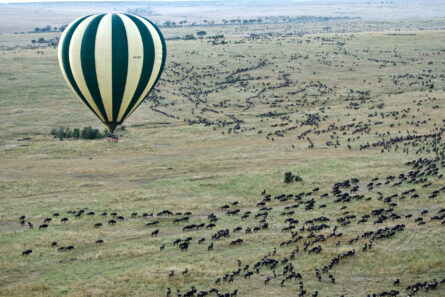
point(21, 1)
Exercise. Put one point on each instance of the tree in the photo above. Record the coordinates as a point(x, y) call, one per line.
point(288, 178)
point(201, 33)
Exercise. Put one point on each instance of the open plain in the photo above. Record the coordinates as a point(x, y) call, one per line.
point(354, 108)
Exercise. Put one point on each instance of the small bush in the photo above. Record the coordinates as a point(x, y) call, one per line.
point(298, 178)
point(76, 133)
point(90, 133)
point(289, 177)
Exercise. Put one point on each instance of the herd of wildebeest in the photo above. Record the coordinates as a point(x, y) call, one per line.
point(273, 99)
point(303, 237)
point(286, 105)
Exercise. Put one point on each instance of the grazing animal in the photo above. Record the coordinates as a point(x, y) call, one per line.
point(236, 242)
point(152, 223)
point(26, 252)
point(184, 246)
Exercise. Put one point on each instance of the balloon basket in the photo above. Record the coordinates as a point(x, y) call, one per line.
point(112, 138)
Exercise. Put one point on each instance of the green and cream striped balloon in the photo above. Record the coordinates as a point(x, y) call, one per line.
point(111, 62)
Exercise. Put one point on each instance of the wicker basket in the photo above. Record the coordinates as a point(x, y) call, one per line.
point(112, 139)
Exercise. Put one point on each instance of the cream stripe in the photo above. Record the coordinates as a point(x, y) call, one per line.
point(76, 64)
point(157, 63)
point(135, 59)
point(102, 53)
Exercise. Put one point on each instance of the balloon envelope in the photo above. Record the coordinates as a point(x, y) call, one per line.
point(111, 62)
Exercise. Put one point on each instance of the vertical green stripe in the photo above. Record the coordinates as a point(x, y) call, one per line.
point(119, 64)
point(88, 60)
point(66, 61)
point(147, 64)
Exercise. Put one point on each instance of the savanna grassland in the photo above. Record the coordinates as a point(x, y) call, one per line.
point(358, 116)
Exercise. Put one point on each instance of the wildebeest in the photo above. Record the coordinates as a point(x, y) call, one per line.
point(236, 242)
point(26, 252)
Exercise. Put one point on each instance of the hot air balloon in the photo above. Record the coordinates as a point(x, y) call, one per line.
point(111, 62)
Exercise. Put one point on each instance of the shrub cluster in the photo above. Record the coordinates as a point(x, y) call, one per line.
point(85, 133)
point(289, 177)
